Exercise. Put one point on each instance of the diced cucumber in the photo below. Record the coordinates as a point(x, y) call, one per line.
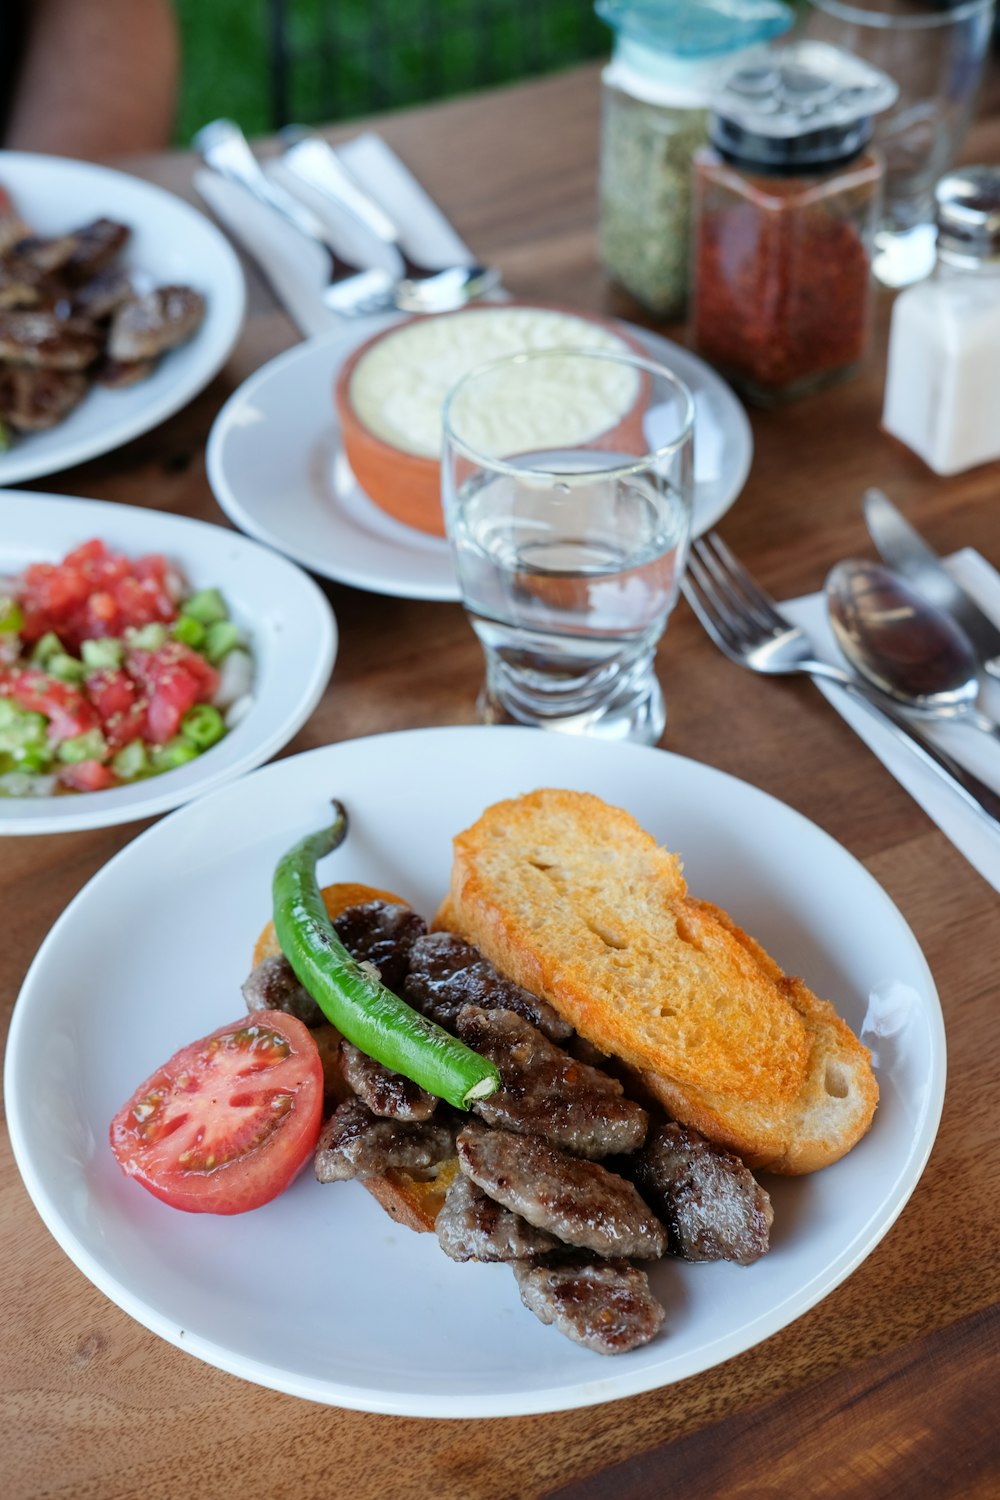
point(146, 637)
point(66, 668)
point(175, 752)
point(203, 725)
point(46, 647)
point(21, 729)
point(207, 606)
point(104, 652)
point(131, 761)
point(189, 631)
point(11, 616)
point(89, 746)
point(220, 639)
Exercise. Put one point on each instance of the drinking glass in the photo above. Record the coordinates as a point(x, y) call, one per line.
point(934, 51)
point(567, 491)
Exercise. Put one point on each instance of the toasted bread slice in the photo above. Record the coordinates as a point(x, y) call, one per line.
point(572, 899)
point(415, 1204)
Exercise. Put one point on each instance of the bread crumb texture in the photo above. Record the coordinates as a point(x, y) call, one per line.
point(573, 899)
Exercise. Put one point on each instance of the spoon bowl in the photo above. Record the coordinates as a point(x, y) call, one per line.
point(905, 646)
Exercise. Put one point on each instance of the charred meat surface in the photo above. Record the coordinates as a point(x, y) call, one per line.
point(146, 327)
point(356, 1143)
point(32, 399)
point(381, 933)
point(38, 337)
point(103, 295)
point(116, 375)
point(447, 973)
point(471, 1226)
point(580, 1202)
point(712, 1206)
point(386, 1093)
point(272, 985)
point(78, 255)
point(548, 1093)
point(605, 1305)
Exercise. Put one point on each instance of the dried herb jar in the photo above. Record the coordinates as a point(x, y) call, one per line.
point(786, 203)
point(656, 93)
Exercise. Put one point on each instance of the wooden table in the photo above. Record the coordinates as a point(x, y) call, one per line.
point(888, 1387)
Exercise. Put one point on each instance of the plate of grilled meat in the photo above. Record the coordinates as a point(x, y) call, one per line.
point(665, 1148)
point(118, 303)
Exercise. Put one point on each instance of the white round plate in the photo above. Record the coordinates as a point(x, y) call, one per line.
point(288, 622)
point(277, 468)
point(361, 1312)
point(171, 243)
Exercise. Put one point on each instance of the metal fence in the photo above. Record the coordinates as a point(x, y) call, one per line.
point(333, 59)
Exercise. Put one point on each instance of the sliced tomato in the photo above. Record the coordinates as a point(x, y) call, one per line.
point(227, 1123)
point(174, 679)
point(66, 708)
point(88, 776)
point(119, 703)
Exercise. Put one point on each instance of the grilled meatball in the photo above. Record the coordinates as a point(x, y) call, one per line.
point(356, 1143)
point(37, 337)
point(387, 1094)
point(471, 1226)
point(447, 973)
point(145, 327)
point(272, 985)
point(712, 1206)
point(605, 1305)
point(545, 1092)
point(32, 400)
point(381, 933)
point(580, 1202)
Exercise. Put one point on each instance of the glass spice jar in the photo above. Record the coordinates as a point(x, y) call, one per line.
point(786, 201)
point(656, 93)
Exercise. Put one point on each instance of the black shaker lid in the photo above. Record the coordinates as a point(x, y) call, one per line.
point(804, 107)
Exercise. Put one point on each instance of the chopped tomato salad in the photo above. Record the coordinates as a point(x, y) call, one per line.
point(229, 1121)
point(111, 670)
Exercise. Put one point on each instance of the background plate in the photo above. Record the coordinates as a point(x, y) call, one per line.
point(290, 629)
point(277, 468)
point(171, 242)
point(369, 1314)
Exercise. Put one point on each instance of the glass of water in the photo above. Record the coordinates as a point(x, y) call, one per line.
point(567, 490)
point(934, 50)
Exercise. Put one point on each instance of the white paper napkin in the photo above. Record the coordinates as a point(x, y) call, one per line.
point(978, 752)
point(297, 269)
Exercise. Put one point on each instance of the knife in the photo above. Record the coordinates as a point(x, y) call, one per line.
point(906, 551)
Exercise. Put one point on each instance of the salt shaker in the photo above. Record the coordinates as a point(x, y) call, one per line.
point(656, 91)
point(942, 391)
point(786, 202)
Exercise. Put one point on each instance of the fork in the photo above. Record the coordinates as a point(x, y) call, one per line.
point(352, 292)
point(748, 628)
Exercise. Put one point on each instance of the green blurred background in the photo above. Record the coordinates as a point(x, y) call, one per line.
point(351, 57)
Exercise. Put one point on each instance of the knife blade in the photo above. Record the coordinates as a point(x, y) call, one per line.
point(905, 550)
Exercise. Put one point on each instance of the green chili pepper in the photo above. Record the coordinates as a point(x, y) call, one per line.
point(352, 997)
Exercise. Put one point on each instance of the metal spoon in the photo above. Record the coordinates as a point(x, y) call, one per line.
point(905, 646)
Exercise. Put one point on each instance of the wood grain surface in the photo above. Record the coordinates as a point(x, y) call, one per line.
point(885, 1389)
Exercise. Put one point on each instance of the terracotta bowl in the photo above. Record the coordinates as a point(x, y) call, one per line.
point(406, 485)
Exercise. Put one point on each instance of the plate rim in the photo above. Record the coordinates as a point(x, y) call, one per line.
point(89, 817)
point(110, 436)
point(319, 346)
point(566, 1395)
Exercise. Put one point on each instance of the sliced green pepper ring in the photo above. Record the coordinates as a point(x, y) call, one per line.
point(351, 995)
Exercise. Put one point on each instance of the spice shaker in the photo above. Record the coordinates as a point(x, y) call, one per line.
point(942, 390)
point(654, 114)
point(786, 200)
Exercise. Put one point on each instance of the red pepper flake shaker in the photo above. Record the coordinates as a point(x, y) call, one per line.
point(786, 200)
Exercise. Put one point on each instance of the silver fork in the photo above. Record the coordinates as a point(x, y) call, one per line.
point(748, 628)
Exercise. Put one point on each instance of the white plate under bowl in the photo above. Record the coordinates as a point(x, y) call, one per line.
point(277, 467)
point(171, 243)
point(360, 1312)
point(288, 622)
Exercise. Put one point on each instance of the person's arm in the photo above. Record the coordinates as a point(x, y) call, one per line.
point(98, 78)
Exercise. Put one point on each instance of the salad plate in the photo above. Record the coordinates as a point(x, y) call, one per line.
point(277, 467)
point(288, 624)
point(371, 1315)
point(170, 243)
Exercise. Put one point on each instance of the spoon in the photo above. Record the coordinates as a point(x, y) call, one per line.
point(905, 646)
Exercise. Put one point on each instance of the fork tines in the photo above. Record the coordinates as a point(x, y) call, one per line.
point(731, 606)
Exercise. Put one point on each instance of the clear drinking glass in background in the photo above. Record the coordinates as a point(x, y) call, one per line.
point(567, 490)
point(935, 53)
